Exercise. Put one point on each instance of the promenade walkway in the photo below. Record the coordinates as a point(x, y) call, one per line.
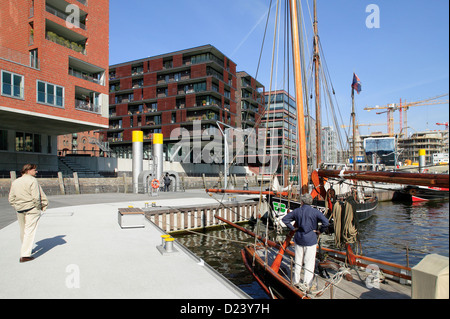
point(82, 252)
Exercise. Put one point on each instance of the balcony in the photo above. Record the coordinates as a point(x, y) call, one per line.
point(63, 15)
point(87, 100)
point(11, 55)
point(65, 37)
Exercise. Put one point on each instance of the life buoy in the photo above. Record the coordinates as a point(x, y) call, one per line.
point(155, 183)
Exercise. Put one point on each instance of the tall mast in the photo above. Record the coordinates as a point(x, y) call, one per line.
point(318, 114)
point(303, 176)
point(354, 129)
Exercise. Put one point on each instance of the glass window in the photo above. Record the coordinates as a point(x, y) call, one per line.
point(12, 84)
point(41, 92)
point(50, 94)
point(6, 83)
point(3, 140)
point(59, 96)
point(19, 141)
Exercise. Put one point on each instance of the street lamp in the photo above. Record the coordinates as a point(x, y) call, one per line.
point(225, 161)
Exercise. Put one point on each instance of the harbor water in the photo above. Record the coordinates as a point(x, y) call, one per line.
point(397, 232)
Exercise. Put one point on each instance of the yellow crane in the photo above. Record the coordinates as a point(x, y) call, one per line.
point(390, 108)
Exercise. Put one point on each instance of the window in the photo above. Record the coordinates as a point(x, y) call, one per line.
point(12, 85)
point(34, 61)
point(3, 140)
point(50, 94)
point(28, 142)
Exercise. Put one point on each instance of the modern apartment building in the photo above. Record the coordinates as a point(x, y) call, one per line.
point(183, 92)
point(54, 65)
point(280, 119)
point(329, 145)
point(250, 101)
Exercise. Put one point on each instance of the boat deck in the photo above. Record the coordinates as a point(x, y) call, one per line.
point(361, 286)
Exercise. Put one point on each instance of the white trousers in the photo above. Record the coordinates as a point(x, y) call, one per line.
point(28, 222)
point(305, 255)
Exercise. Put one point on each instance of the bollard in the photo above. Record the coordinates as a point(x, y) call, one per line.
point(164, 237)
point(422, 160)
point(169, 244)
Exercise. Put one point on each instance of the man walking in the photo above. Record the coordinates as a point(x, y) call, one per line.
point(167, 182)
point(28, 199)
point(305, 238)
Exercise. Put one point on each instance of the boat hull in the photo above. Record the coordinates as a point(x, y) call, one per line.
point(363, 210)
point(420, 194)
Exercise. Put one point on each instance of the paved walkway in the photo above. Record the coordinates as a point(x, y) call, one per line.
point(82, 252)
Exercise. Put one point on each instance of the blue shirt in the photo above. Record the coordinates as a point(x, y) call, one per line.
point(307, 219)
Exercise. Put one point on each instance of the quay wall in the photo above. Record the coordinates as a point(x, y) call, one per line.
point(120, 184)
point(123, 184)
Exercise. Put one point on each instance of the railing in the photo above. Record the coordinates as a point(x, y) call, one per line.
point(87, 106)
point(51, 36)
point(85, 76)
point(62, 15)
point(19, 57)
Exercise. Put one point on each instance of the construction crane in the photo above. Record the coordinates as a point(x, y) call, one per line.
point(390, 108)
point(445, 124)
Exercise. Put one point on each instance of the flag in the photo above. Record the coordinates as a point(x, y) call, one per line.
point(356, 84)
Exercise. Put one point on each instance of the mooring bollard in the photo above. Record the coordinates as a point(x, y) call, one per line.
point(164, 237)
point(169, 244)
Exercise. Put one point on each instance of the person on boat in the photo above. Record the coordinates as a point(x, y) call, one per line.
point(306, 230)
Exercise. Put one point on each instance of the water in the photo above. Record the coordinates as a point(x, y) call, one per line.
point(397, 232)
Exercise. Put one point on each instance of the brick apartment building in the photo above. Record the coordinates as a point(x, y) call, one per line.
point(192, 89)
point(54, 59)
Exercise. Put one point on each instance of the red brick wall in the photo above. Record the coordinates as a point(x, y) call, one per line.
point(53, 58)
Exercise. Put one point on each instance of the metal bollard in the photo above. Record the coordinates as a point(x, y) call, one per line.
point(164, 237)
point(169, 244)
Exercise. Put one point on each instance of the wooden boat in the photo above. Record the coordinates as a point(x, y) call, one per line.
point(414, 194)
point(350, 276)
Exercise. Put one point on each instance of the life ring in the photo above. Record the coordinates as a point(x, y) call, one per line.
point(155, 183)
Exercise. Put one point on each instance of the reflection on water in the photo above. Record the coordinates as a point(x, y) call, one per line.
point(395, 230)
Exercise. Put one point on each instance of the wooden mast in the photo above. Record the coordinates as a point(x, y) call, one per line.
point(354, 129)
point(303, 174)
point(318, 113)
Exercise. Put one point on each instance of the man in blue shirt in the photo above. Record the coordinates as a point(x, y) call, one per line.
point(306, 221)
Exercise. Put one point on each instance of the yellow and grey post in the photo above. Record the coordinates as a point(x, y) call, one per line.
point(422, 155)
point(158, 155)
point(138, 158)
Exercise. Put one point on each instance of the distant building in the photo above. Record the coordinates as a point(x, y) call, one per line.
point(185, 91)
point(329, 145)
point(280, 119)
point(53, 71)
point(431, 141)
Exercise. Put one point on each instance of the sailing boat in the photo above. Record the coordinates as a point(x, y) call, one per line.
point(272, 264)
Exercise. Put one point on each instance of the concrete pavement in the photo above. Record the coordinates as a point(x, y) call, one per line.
point(82, 252)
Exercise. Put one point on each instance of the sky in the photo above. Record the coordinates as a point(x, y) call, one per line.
point(398, 48)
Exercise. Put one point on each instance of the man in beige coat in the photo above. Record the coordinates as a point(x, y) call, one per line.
point(28, 199)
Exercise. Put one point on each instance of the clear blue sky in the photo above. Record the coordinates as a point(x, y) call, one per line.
point(406, 58)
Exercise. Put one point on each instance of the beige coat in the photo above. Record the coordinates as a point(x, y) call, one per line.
point(26, 193)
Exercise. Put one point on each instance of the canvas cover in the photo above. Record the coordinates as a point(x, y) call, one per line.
point(430, 278)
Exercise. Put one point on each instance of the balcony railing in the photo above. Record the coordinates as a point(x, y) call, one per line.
point(62, 15)
point(87, 106)
point(51, 36)
point(19, 57)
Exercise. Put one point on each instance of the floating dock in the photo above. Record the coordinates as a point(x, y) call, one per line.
point(82, 251)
